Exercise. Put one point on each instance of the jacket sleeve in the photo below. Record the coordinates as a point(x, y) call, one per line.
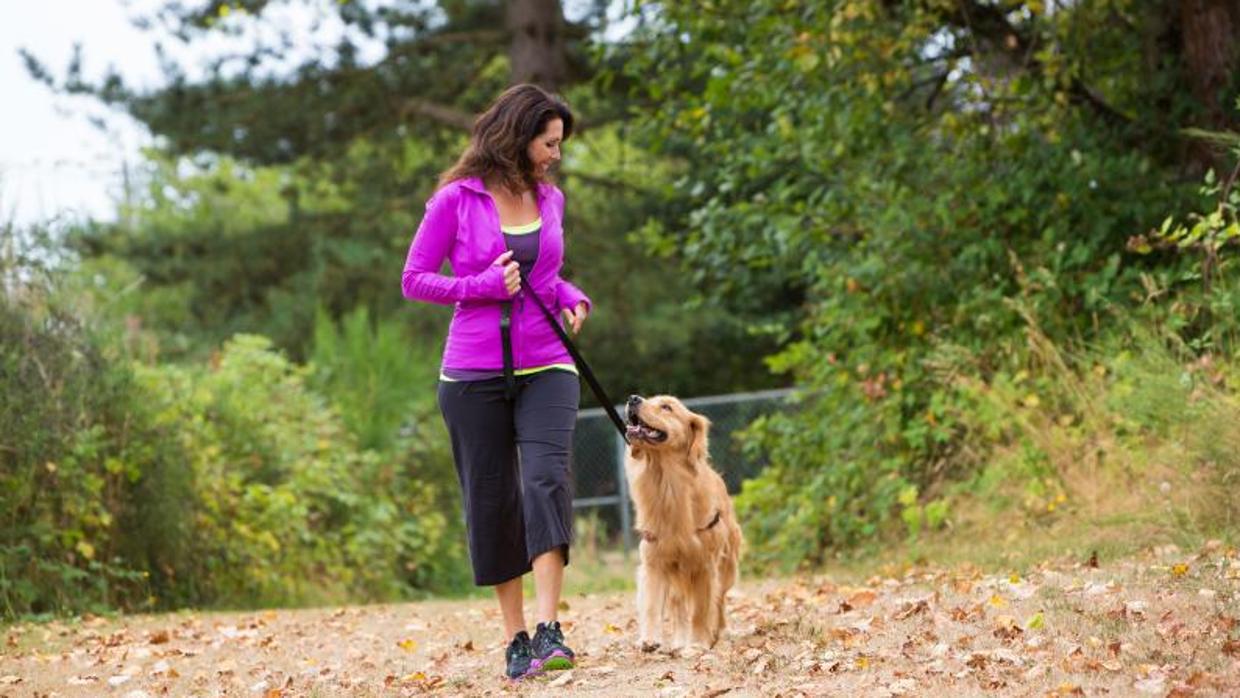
point(421, 280)
point(568, 295)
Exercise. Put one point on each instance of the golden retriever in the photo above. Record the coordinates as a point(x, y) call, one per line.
point(691, 542)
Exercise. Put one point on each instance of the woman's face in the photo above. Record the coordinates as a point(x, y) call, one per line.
point(544, 150)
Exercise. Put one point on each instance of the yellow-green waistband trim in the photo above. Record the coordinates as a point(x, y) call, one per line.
point(571, 368)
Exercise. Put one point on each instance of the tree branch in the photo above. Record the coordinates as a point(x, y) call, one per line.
point(446, 115)
point(990, 22)
point(606, 182)
point(432, 41)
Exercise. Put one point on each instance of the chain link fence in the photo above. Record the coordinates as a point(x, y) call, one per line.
point(598, 455)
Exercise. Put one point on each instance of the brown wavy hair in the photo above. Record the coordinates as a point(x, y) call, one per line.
point(497, 150)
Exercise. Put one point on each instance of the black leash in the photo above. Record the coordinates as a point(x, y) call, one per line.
point(505, 336)
point(582, 366)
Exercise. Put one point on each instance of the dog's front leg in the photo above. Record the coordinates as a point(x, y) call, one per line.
point(702, 611)
point(651, 601)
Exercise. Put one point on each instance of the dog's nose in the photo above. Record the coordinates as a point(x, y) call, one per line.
point(635, 400)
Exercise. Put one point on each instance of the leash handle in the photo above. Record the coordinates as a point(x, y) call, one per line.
point(578, 359)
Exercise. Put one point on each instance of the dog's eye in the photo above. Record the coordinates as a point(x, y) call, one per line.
point(666, 408)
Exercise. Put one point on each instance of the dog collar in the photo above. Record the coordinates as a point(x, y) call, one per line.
point(651, 538)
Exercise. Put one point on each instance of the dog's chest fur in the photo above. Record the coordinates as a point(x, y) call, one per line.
point(672, 508)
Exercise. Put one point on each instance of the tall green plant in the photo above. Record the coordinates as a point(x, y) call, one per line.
point(376, 376)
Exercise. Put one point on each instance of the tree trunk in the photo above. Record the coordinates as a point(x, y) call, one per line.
point(1210, 39)
point(537, 52)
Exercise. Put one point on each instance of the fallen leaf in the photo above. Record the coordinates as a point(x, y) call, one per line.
point(911, 608)
point(1035, 622)
point(1006, 628)
point(1093, 560)
point(408, 644)
point(562, 680)
point(998, 601)
point(10, 679)
point(1179, 570)
point(862, 598)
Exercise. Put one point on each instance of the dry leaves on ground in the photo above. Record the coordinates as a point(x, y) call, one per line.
point(1162, 624)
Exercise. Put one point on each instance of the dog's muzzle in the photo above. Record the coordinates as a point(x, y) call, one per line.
point(637, 429)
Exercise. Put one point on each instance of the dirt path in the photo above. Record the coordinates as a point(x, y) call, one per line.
point(1162, 624)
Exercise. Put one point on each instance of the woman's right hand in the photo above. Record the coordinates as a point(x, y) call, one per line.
point(512, 272)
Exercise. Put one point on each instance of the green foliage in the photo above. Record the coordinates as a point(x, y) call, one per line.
point(66, 465)
point(928, 215)
point(651, 331)
point(218, 248)
point(228, 482)
point(898, 184)
point(287, 508)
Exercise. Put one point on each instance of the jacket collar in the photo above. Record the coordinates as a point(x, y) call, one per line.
point(476, 185)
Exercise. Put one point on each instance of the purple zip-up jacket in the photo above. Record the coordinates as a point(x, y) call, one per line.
point(462, 225)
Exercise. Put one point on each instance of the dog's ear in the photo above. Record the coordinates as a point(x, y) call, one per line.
point(699, 451)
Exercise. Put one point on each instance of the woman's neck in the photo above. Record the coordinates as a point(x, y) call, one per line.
point(500, 187)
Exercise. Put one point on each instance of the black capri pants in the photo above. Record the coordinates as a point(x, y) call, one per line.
point(512, 460)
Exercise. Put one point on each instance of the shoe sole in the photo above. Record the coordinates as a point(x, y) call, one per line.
point(530, 673)
point(557, 661)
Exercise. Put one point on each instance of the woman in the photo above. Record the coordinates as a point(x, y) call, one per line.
point(508, 395)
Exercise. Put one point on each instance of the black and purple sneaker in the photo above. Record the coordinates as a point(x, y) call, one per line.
point(550, 652)
point(520, 658)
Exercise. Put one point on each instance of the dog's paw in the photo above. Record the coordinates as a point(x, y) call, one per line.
point(648, 646)
point(692, 651)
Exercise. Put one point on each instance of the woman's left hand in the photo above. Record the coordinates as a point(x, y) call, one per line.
point(573, 318)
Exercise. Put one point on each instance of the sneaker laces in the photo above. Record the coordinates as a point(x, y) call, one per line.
point(550, 636)
point(519, 647)
point(554, 632)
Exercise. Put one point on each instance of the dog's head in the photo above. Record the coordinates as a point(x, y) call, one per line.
point(663, 423)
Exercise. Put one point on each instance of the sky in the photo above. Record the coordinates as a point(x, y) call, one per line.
point(53, 162)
